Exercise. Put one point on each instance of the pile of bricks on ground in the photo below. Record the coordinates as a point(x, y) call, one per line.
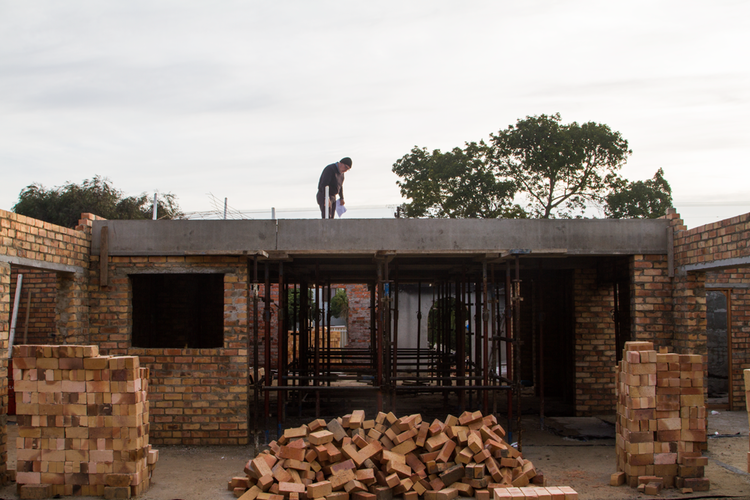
point(82, 423)
point(661, 420)
point(358, 459)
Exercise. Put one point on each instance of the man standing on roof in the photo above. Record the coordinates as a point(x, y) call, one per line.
point(333, 178)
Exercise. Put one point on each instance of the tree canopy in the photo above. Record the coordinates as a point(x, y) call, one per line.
point(560, 168)
point(64, 205)
point(339, 304)
point(648, 199)
point(456, 184)
point(556, 169)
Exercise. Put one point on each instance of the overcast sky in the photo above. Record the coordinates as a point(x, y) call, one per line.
point(249, 100)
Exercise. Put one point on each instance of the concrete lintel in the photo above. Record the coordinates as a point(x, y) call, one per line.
point(716, 265)
point(249, 253)
point(40, 264)
point(738, 286)
point(530, 252)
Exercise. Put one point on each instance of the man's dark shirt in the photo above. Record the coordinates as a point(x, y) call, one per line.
point(332, 178)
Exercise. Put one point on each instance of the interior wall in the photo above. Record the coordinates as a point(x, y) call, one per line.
point(595, 356)
point(409, 327)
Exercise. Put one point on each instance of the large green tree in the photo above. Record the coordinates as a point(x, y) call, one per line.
point(560, 168)
point(648, 199)
point(64, 205)
point(456, 184)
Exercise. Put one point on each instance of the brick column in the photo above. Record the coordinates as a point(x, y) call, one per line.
point(690, 313)
point(689, 292)
point(71, 314)
point(594, 345)
point(651, 300)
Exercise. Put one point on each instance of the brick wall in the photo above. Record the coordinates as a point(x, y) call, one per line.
point(726, 239)
point(42, 285)
point(197, 396)
point(4, 332)
point(41, 241)
point(651, 299)
point(594, 344)
point(46, 245)
point(358, 326)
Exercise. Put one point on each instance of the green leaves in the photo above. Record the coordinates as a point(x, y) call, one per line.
point(559, 168)
point(339, 304)
point(456, 184)
point(64, 205)
point(641, 199)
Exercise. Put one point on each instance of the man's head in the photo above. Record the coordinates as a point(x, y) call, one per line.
point(346, 163)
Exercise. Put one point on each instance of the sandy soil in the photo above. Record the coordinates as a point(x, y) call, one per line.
point(196, 473)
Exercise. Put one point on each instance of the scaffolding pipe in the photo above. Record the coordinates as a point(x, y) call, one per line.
point(541, 358)
point(328, 331)
point(517, 345)
point(256, 360)
point(510, 353)
point(283, 345)
point(267, 340)
point(379, 336)
point(460, 333)
point(485, 339)
point(317, 339)
point(28, 312)
point(493, 332)
point(386, 308)
point(14, 318)
point(419, 323)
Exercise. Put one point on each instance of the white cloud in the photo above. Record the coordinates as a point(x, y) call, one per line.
point(250, 100)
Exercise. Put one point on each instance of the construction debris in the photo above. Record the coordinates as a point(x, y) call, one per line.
point(661, 420)
point(353, 458)
point(82, 423)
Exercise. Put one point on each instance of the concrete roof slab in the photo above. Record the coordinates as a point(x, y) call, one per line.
point(370, 236)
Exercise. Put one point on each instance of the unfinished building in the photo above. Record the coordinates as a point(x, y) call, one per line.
point(232, 317)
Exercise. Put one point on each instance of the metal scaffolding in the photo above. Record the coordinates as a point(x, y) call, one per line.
point(471, 329)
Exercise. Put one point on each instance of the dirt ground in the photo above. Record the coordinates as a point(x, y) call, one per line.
point(566, 456)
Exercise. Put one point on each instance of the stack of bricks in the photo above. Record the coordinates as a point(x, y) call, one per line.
point(351, 458)
point(661, 420)
point(82, 423)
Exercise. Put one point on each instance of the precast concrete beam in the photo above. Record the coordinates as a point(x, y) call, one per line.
point(450, 237)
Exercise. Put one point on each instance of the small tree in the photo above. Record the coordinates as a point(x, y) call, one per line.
point(455, 184)
point(648, 199)
point(340, 304)
point(293, 305)
point(560, 168)
point(65, 204)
